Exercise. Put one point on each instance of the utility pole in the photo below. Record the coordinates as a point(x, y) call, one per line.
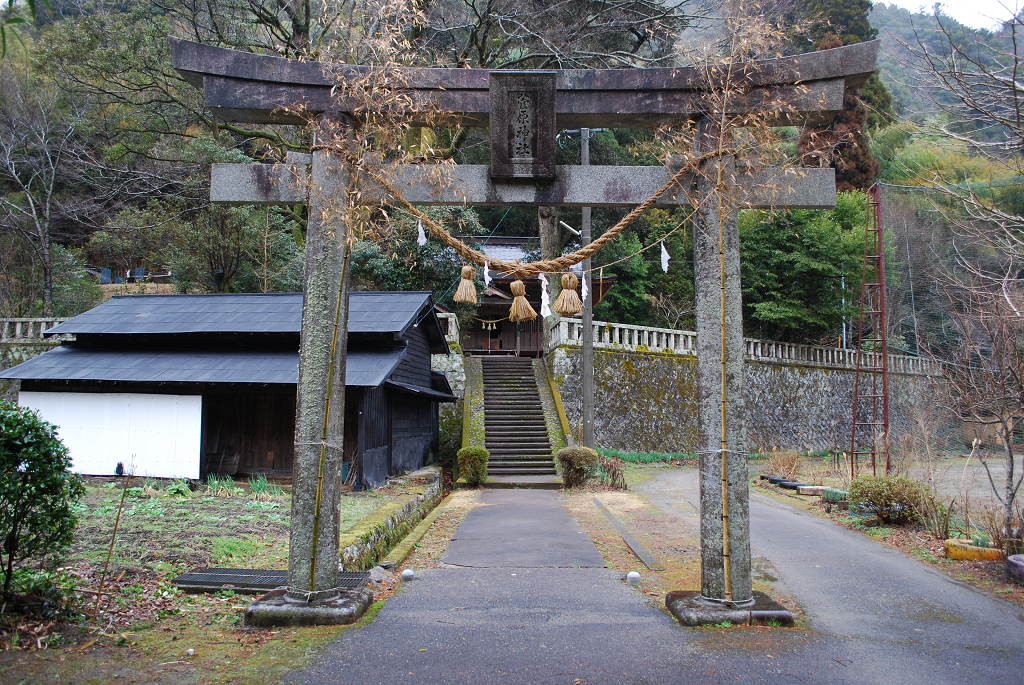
point(588, 313)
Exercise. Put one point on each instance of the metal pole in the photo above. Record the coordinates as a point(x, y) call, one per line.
point(588, 313)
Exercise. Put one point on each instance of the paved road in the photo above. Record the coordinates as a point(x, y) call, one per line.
point(526, 613)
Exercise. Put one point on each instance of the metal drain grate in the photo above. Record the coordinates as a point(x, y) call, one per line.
point(247, 580)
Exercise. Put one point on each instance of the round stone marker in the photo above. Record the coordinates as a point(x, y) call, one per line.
point(633, 578)
point(407, 575)
point(1015, 568)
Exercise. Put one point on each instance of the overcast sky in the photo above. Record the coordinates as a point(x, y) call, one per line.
point(980, 14)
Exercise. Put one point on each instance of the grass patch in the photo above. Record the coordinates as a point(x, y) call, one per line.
point(646, 457)
point(143, 631)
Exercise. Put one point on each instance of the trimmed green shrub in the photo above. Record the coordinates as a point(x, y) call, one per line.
point(37, 491)
point(578, 464)
point(473, 464)
point(893, 499)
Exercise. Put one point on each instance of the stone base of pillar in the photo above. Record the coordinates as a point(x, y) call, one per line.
point(690, 609)
point(276, 609)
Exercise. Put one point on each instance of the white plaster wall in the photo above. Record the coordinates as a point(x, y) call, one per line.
point(157, 434)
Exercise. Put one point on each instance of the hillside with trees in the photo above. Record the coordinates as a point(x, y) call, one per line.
point(115, 175)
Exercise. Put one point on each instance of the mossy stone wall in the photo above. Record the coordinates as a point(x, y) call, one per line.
point(647, 401)
point(370, 540)
point(12, 354)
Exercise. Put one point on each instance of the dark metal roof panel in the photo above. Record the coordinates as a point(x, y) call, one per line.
point(69, 363)
point(168, 314)
point(422, 392)
point(370, 312)
point(385, 312)
point(368, 368)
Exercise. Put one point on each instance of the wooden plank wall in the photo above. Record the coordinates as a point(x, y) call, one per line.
point(257, 427)
point(414, 369)
point(374, 438)
point(412, 429)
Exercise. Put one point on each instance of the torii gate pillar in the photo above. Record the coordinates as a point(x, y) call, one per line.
point(724, 520)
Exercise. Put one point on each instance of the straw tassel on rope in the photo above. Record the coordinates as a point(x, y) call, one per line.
point(521, 309)
point(466, 294)
point(568, 302)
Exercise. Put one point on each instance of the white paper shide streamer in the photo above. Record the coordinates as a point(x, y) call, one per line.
point(545, 308)
point(584, 291)
point(487, 275)
point(664, 257)
point(421, 237)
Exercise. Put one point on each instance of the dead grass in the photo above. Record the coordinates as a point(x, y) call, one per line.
point(674, 540)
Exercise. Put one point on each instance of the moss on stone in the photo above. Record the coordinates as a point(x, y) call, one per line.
point(367, 542)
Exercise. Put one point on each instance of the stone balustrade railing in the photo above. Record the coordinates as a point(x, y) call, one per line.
point(25, 330)
point(569, 331)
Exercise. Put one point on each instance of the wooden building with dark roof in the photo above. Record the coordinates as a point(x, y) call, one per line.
point(180, 386)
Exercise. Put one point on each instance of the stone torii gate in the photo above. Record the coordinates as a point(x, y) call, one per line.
point(257, 89)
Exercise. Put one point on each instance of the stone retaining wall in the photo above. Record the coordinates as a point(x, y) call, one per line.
point(646, 401)
point(370, 540)
point(14, 353)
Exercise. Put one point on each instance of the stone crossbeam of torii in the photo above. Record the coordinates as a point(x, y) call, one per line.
point(257, 89)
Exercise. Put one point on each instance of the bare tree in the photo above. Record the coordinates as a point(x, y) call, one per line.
point(985, 377)
point(978, 88)
point(37, 147)
point(671, 311)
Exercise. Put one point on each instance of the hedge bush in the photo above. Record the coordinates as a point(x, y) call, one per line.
point(578, 464)
point(473, 464)
point(37, 491)
point(894, 500)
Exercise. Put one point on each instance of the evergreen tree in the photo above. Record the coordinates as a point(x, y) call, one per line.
point(844, 144)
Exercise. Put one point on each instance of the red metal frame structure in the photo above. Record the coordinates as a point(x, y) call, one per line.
point(870, 435)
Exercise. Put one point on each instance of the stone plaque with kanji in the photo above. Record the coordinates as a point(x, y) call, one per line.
point(522, 108)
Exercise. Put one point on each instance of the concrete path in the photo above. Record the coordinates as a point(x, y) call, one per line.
point(524, 529)
point(893, 614)
point(879, 617)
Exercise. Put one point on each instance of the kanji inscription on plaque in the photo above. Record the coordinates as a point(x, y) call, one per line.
point(522, 112)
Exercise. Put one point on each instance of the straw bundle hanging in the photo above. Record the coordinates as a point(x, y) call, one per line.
point(568, 302)
point(521, 309)
point(466, 293)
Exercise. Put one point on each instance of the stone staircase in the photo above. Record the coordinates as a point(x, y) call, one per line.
point(516, 433)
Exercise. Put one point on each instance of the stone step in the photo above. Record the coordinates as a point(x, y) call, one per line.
point(498, 435)
point(535, 407)
point(521, 443)
point(515, 429)
point(521, 472)
point(520, 454)
point(511, 437)
point(520, 463)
